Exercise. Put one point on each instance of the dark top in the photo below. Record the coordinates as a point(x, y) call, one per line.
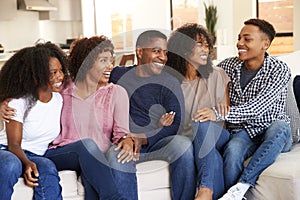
point(296, 87)
point(150, 98)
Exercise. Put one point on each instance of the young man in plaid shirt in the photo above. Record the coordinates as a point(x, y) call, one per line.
point(257, 121)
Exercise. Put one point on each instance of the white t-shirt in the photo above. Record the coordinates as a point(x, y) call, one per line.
point(40, 127)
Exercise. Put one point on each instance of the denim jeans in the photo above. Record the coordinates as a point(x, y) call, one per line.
point(124, 174)
point(48, 180)
point(209, 141)
point(178, 152)
point(11, 170)
point(264, 151)
point(85, 157)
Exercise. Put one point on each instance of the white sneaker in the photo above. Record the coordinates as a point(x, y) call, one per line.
point(234, 193)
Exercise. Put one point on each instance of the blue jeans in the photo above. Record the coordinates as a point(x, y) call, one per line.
point(264, 151)
point(124, 174)
point(178, 152)
point(48, 180)
point(209, 141)
point(11, 170)
point(85, 157)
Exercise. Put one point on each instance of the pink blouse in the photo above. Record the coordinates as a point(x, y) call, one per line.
point(103, 116)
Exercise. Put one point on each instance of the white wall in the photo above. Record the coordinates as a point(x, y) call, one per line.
point(22, 31)
point(26, 28)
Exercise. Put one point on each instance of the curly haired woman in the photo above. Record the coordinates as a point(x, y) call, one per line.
point(206, 102)
point(32, 78)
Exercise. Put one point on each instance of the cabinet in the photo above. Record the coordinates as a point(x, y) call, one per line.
point(67, 10)
point(8, 10)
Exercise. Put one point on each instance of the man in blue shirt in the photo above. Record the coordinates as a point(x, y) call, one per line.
point(153, 94)
point(257, 120)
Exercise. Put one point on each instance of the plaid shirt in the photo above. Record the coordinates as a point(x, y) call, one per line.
point(263, 99)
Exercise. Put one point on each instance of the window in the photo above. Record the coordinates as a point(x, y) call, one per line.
point(121, 23)
point(122, 30)
point(184, 11)
point(280, 14)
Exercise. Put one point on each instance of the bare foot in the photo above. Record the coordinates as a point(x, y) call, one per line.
point(204, 194)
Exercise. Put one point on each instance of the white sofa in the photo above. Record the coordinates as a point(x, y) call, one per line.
point(152, 177)
point(280, 181)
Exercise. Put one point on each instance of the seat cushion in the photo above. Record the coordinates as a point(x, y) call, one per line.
point(153, 180)
point(153, 170)
point(281, 180)
point(68, 181)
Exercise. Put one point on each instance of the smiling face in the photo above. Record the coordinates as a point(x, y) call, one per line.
point(252, 43)
point(152, 57)
point(199, 54)
point(56, 75)
point(100, 72)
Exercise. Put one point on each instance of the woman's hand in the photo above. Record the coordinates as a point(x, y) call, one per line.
point(222, 109)
point(204, 114)
point(126, 144)
point(6, 112)
point(31, 174)
point(167, 119)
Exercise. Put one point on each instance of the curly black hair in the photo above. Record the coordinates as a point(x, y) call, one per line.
point(84, 53)
point(181, 43)
point(28, 69)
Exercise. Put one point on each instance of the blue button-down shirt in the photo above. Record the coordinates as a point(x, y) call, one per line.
point(263, 99)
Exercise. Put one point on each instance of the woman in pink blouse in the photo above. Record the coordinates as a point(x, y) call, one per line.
point(96, 109)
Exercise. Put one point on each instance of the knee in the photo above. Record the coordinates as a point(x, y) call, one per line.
point(183, 147)
point(112, 157)
point(279, 128)
point(11, 165)
point(231, 153)
point(46, 167)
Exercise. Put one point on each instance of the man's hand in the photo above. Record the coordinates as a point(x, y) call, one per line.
point(139, 140)
point(223, 109)
point(167, 119)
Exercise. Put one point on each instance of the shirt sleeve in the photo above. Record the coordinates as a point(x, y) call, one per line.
point(20, 106)
point(121, 113)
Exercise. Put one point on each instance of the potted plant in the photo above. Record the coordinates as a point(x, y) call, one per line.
point(211, 19)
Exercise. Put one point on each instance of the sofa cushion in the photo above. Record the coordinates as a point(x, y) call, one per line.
point(153, 170)
point(68, 181)
point(292, 61)
point(281, 180)
point(153, 180)
point(293, 113)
